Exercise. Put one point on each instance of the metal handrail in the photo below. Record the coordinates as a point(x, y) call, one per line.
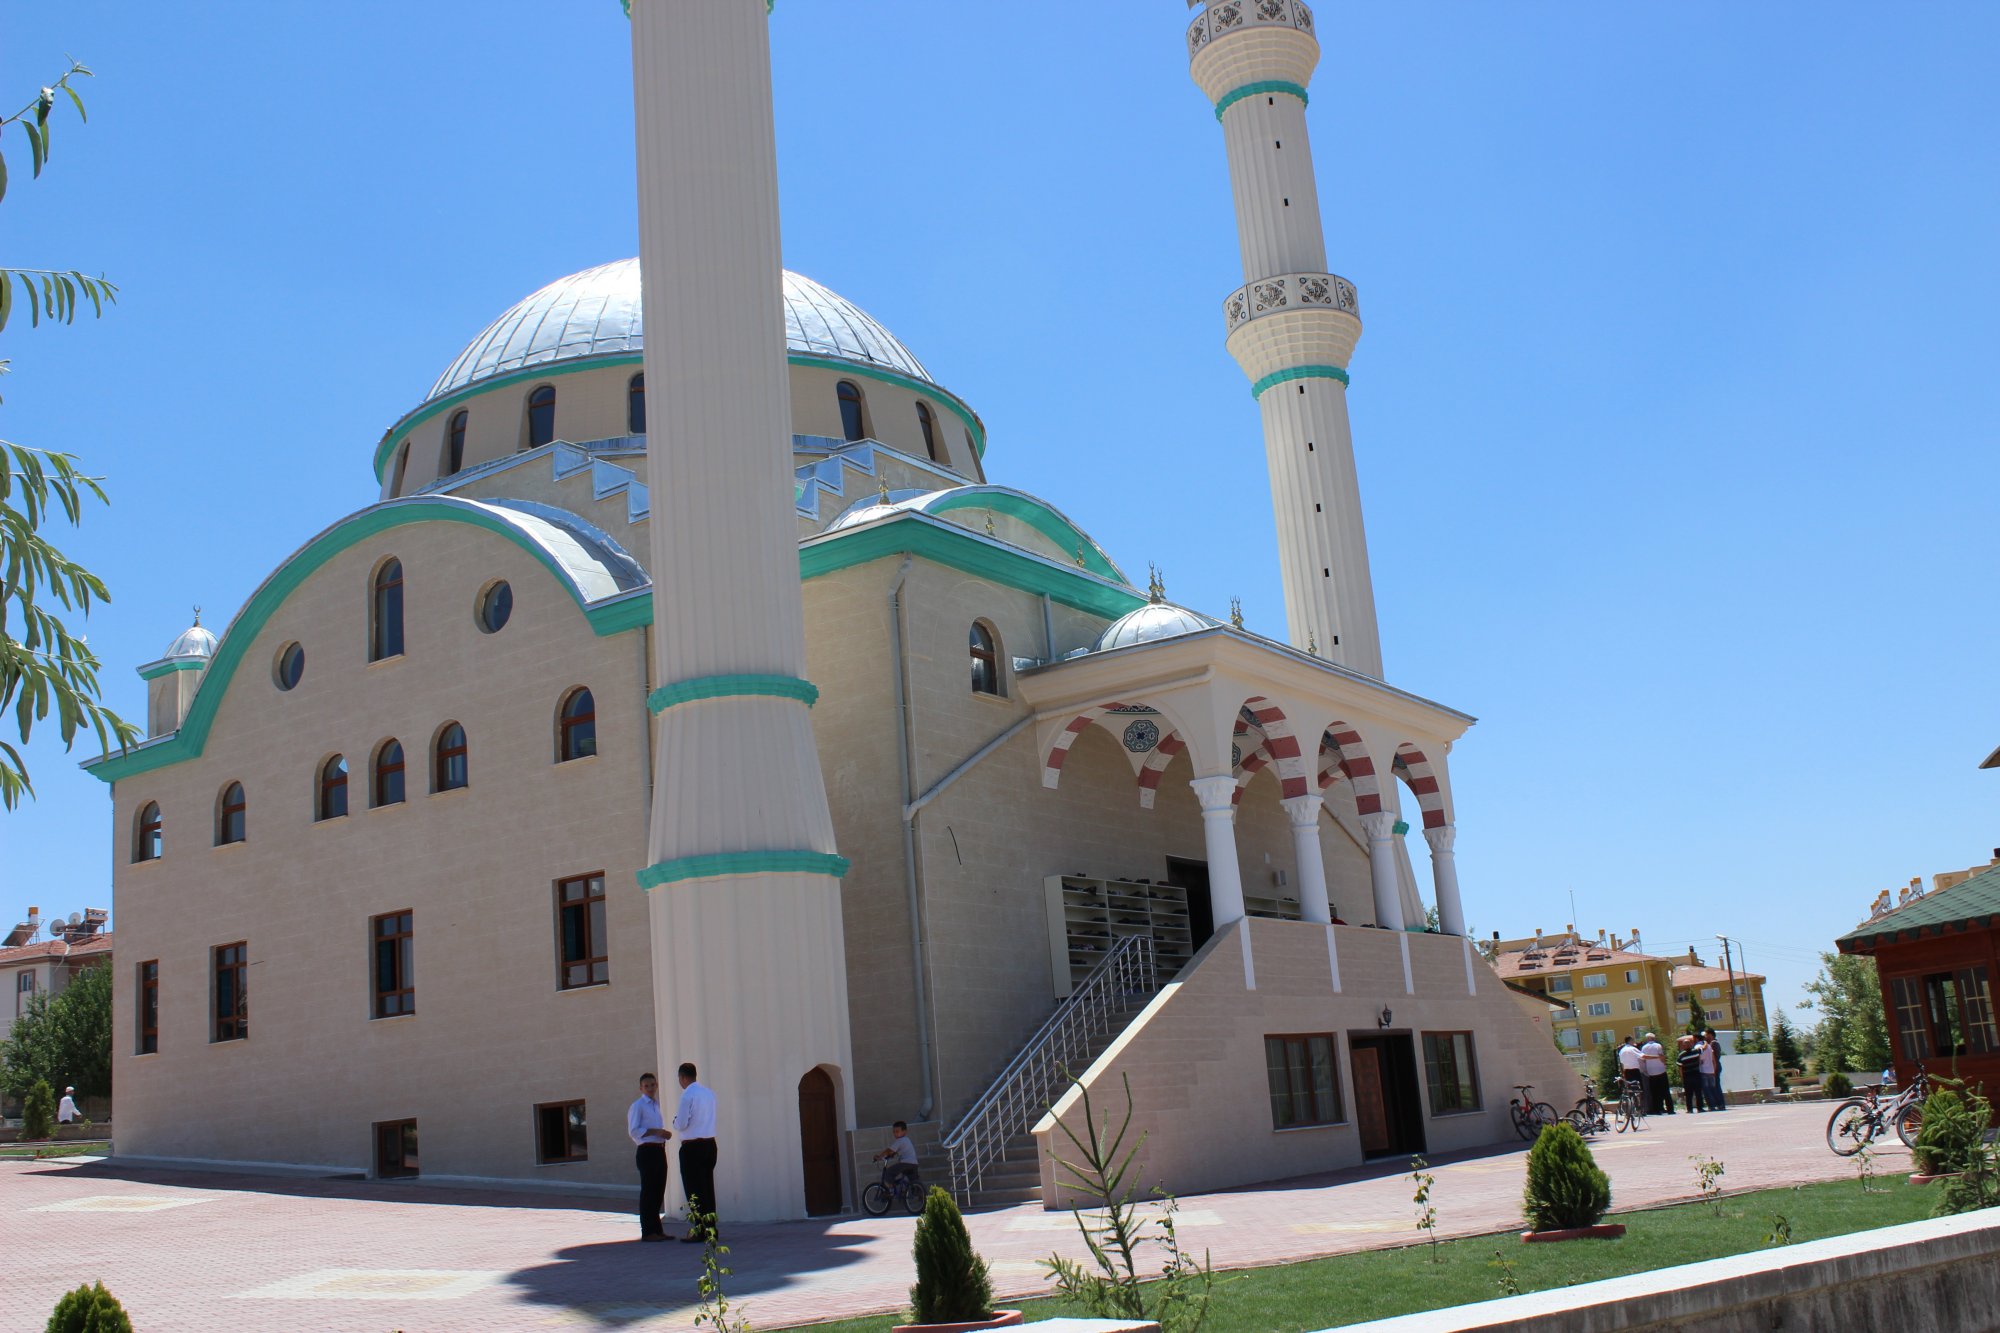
point(1024, 1089)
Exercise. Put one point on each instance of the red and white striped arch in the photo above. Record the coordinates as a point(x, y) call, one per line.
point(1059, 748)
point(1415, 770)
point(1282, 746)
point(1170, 748)
point(1341, 750)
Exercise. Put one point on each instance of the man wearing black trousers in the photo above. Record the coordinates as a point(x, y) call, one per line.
point(648, 1130)
point(694, 1119)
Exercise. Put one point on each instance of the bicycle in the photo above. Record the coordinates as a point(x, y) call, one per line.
point(1587, 1116)
point(1856, 1122)
point(1631, 1106)
point(1530, 1117)
point(879, 1197)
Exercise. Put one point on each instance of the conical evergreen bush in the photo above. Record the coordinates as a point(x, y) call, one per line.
point(38, 1111)
point(1565, 1187)
point(952, 1285)
point(89, 1309)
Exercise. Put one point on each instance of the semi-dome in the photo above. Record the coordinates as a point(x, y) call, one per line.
point(597, 313)
point(1155, 620)
point(194, 641)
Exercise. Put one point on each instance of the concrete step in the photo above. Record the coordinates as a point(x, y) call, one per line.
point(1007, 1198)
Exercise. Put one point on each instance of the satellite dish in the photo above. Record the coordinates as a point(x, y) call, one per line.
point(75, 918)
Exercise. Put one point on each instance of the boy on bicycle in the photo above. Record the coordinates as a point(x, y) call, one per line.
point(901, 1156)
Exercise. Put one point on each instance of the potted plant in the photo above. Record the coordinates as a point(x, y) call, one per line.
point(953, 1293)
point(1567, 1193)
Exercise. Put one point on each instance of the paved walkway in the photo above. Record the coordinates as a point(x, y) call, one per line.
point(192, 1251)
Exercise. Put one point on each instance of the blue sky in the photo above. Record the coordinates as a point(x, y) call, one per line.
point(1673, 411)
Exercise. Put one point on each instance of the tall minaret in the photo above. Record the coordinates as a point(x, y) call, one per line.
point(1292, 325)
point(749, 971)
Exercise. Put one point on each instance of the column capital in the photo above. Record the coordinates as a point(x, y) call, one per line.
point(1304, 810)
point(1381, 825)
point(1217, 794)
point(1441, 837)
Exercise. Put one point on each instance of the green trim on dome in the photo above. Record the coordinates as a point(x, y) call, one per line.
point(424, 412)
point(1066, 535)
point(158, 669)
point(1231, 98)
point(733, 687)
point(1278, 377)
point(720, 864)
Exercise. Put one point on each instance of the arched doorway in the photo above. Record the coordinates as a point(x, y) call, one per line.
point(819, 1143)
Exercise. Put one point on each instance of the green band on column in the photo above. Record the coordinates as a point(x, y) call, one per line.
point(1230, 99)
point(743, 863)
point(726, 687)
point(1297, 373)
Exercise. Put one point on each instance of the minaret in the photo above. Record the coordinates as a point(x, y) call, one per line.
point(749, 971)
point(1292, 325)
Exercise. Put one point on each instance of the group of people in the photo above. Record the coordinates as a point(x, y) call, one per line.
point(694, 1121)
point(1642, 1061)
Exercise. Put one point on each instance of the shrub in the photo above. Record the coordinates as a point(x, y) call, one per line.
point(1839, 1085)
point(1976, 1186)
point(89, 1309)
point(1954, 1125)
point(952, 1285)
point(38, 1112)
point(1565, 1187)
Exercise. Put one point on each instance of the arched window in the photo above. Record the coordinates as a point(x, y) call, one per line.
point(929, 423)
point(387, 788)
point(332, 802)
point(576, 726)
point(402, 466)
point(635, 405)
point(851, 423)
point(541, 416)
point(985, 660)
point(454, 443)
point(448, 764)
point(385, 628)
point(229, 815)
point(147, 842)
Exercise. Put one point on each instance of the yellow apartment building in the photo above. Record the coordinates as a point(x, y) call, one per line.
point(1612, 988)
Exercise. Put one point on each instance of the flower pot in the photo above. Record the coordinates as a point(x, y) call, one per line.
point(1000, 1319)
point(1919, 1178)
point(1607, 1231)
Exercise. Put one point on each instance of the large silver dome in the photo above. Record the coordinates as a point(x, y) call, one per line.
point(597, 313)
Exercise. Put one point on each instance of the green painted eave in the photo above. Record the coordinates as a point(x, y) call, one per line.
point(1037, 514)
point(1973, 904)
point(167, 666)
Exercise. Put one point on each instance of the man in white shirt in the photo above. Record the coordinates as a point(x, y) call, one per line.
point(694, 1121)
point(1629, 1061)
point(66, 1113)
point(1653, 1064)
point(648, 1130)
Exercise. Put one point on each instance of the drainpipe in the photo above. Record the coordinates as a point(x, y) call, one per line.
point(905, 761)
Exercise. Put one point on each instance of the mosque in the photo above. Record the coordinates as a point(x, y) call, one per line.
point(583, 749)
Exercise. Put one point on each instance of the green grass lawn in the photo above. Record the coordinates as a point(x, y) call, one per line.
point(1352, 1288)
point(43, 1148)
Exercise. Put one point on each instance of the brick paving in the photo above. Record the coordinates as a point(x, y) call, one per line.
point(189, 1251)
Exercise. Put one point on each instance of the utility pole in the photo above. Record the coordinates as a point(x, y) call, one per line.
point(1735, 1020)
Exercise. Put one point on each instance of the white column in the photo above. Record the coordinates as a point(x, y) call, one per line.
point(748, 966)
point(1382, 875)
point(1218, 827)
point(1314, 903)
point(1444, 875)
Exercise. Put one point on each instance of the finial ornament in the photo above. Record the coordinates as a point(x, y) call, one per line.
point(1156, 584)
point(1312, 643)
point(1079, 557)
point(989, 525)
point(1236, 612)
point(883, 484)
point(197, 617)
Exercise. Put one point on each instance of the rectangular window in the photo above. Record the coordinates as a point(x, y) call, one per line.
point(581, 960)
point(232, 999)
point(1912, 1032)
point(1305, 1090)
point(1571, 1038)
point(1742, 990)
point(1596, 981)
point(1711, 992)
point(395, 1149)
point(24, 991)
point(1975, 1007)
point(1601, 1009)
point(1600, 1039)
point(395, 967)
point(1559, 985)
point(149, 1007)
point(1941, 996)
point(1451, 1071)
point(559, 1132)
point(1638, 1006)
point(1631, 977)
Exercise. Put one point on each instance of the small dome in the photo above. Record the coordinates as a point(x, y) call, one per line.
point(194, 641)
point(880, 506)
point(1155, 620)
point(598, 313)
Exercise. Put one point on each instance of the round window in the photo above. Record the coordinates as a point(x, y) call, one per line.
point(291, 665)
point(496, 605)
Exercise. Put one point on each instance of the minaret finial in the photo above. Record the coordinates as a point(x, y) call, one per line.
point(1312, 643)
point(197, 617)
point(1156, 584)
point(1236, 612)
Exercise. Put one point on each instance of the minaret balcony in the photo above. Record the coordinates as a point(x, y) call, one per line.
point(1235, 43)
point(1291, 320)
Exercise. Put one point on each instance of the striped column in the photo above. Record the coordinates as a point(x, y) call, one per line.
point(749, 971)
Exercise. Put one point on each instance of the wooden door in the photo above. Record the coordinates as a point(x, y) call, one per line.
point(819, 1143)
point(1371, 1110)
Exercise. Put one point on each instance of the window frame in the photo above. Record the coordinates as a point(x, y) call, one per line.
point(396, 931)
point(1598, 1009)
point(408, 1158)
point(575, 1134)
point(927, 422)
point(1299, 1082)
point(231, 961)
point(454, 442)
point(385, 611)
point(541, 399)
point(593, 931)
point(442, 755)
point(225, 808)
point(146, 1007)
point(278, 666)
point(329, 789)
point(847, 393)
point(635, 404)
point(985, 658)
point(569, 746)
point(1596, 981)
point(149, 833)
point(383, 771)
point(1436, 1091)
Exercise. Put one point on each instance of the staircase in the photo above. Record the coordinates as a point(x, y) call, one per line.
point(993, 1159)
